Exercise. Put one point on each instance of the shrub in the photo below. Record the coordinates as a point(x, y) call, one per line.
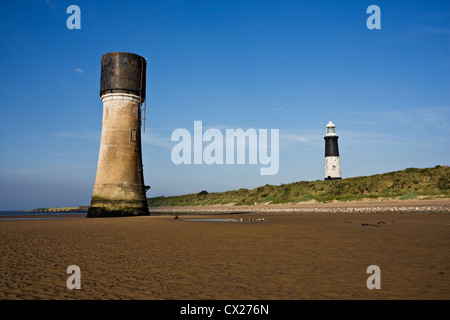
point(443, 182)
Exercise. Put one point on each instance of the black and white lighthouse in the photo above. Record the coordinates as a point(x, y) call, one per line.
point(332, 162)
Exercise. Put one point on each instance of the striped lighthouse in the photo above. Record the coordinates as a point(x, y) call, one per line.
point(332, 162)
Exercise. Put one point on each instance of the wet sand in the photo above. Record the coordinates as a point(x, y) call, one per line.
point(288, 256)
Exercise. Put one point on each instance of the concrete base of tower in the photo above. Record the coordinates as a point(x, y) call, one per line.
point(117, 208)
point(331, 178)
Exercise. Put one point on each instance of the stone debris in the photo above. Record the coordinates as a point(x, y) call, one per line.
point(253, 220)
point(387, 209)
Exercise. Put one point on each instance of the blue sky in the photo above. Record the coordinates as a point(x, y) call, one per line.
point(287, 65)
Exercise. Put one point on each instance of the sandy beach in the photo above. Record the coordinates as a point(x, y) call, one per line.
point(293, 252)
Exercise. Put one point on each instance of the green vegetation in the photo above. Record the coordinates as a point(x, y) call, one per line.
point(407, 184)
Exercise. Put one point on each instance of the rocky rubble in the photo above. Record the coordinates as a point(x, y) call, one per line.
point(235, 210)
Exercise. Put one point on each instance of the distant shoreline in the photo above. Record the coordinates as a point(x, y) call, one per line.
point(439, 205)
point(60, 209)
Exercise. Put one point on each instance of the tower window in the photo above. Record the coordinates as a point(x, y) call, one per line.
point(133, 135)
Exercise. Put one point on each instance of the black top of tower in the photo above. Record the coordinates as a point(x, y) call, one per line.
point(123, 72)
point(331, 146)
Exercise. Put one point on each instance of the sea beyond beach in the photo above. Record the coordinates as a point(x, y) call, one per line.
point(282, 252)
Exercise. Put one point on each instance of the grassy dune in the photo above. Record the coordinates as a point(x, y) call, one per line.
point(408, 184)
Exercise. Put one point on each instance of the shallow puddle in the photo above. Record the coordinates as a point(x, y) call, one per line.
point(5, 219)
